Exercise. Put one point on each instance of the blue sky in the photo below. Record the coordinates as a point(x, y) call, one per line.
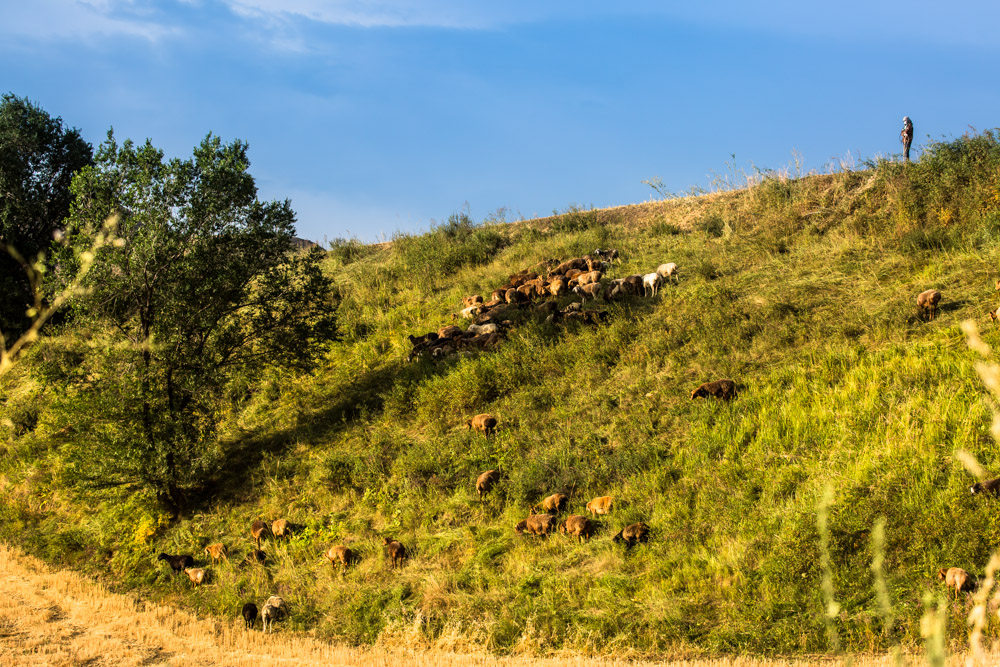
point(376, 117)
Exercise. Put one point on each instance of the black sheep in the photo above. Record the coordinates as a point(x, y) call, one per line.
point(177, 563)
point(250, 614)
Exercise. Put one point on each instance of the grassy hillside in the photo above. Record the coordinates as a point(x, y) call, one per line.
point(801, 289)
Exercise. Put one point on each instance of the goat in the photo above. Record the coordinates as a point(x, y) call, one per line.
point(650, 282)
point(553, 504)
point(989, 486)
point(258, 531)
point(177, 563)
point(722, 389)
point(249, 613)
point(196, 575)
point(274, 609)
point(579, 526)
point(484, 423)
point(927, 302)
point(601, 505)
point(632, 533)
point(217, 552)
point(341, 554)
point(536, 524)
point(395, 550)
point(958, 579)
point(486, 482)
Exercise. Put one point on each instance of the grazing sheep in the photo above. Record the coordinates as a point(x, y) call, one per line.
point(486, 481)
point(601, 505)
point(274, 609)
point(634, 283)
point(470, 312)
point(557, 287)
point(722, 389)
point(578, 526)
point(579, 263)
point(958, 579)
point(589, 278)
point(667, 271)
point(994, 314)
point(259, 531)
point(989, 486)
point(484, 423)
point(177, 563)
point(489, 328)
point(217, 552)
point(341, 554)
point(417, 341)
point(593, 290)
point(281, 528)
point(574, 307)
point(196, 575)
point(632, 533)
point(449, 331)
point(554, 504)
point(395, 551)
point(473, 300)
point(927, 302)
point(249, 613)
point(536, 524)
point(650, 283)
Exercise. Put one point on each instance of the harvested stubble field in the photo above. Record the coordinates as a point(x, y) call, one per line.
point(58, 617)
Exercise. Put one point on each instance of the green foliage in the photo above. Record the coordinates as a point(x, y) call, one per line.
point(200, 292)
point(460, 242)
point(807, 301)
point(38, 157)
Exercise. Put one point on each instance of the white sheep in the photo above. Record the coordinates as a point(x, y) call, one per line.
point(667, 271)
point(470, 313)
point(274, 609)
point(651, 281)
point(488, 328)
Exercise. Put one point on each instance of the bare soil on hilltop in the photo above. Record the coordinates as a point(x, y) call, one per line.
point(59, 617)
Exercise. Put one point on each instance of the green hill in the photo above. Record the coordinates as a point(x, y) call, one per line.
point(803, 290)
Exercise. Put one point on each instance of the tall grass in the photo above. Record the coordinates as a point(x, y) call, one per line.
point(801, 289)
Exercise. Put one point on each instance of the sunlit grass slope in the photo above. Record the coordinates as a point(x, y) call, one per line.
point(803, 290)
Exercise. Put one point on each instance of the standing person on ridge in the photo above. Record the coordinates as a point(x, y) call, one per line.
point(906, 136)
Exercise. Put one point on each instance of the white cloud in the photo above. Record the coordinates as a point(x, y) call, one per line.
point(77, 20)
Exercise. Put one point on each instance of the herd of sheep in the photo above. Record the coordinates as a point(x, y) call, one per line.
point(537, 289)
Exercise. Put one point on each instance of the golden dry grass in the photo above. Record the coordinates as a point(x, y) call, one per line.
point(58, 617)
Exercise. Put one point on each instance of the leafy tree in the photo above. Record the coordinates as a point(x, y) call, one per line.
point(38, 157)
point(199, 292)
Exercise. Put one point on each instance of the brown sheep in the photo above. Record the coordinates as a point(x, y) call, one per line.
point(486, 482)
point(958, 579)
point(217, 552)
point(547, 307)
point(632, 533)
point(484, 423)
point(557, 287)
point(601, 505)
point(395, 551)
point(417, 341)
point(993, 314)
point(579, 264)
point(341, 554)
point(592, 290)
point(196, 575)
point(578, 526)
point(927, 302)
point(589, 278)
point(634, 283)
point(989, 486)
point(554, 504)
point(536, 524)
point(498, 294)
point(473, 300)
point(722, 389)
point(449, 331)
point(258, 531)
point(281, 528)
point(572, 275)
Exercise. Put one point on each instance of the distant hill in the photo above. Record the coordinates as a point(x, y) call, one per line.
point(304, 244)
point(853, 407)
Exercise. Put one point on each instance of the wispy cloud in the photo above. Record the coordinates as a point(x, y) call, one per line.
point(76, 20)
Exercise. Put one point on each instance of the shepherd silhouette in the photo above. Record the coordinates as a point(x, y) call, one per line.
point(906, 136)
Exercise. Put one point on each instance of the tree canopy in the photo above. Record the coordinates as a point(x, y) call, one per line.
point(38, 157)
point(200, 292)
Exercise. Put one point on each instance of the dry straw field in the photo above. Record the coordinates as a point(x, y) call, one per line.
point(59, 617)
